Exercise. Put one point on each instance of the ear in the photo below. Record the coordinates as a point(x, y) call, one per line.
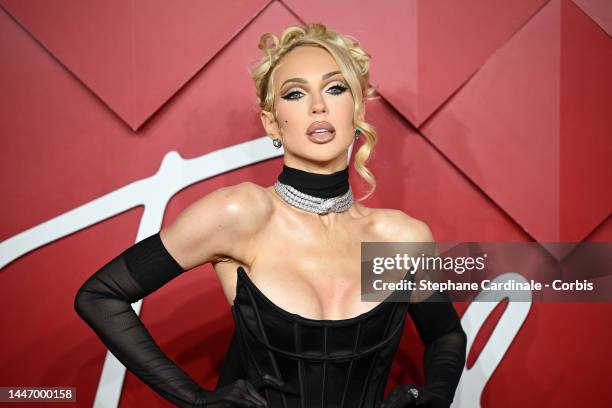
point(269, 124)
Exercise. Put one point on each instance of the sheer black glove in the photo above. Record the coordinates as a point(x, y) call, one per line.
point(103, 302)
point(445, 343)
point(410, 395)
point(243, 393)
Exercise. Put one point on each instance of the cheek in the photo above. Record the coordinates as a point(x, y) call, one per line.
point(288, 115)
point(345, 104)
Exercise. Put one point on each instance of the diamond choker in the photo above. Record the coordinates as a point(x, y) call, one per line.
point(312, 203)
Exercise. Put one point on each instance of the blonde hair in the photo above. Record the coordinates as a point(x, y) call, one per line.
point(354, 65)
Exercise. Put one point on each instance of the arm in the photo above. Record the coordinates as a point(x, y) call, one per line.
point(445, 342)
point(214, 226)
point(440, 331)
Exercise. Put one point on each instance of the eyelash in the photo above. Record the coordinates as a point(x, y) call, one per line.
point(287, 95)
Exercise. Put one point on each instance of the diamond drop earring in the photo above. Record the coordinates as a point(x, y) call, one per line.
point(357, 133)
point(277, 143)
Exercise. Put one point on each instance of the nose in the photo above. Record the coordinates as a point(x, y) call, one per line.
point(318, 106)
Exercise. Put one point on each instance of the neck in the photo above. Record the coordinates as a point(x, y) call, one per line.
point(316, 184)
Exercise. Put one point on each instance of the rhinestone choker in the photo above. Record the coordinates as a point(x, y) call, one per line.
point(314, 192)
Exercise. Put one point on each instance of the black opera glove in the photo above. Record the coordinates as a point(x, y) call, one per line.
point(410, 395)
point(445, 343)
point(103, 302)
point(242, 393)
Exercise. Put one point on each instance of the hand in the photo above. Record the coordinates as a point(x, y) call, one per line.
point(242, 393)
point(402, 397)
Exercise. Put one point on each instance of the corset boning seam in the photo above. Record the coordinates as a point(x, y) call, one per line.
point(373, 363)
point(298, 356)
point(298, 347)
point(350, 368)
point(270, 352)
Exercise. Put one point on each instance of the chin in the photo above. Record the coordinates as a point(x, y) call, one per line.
point(324, 152)
point(324, 157)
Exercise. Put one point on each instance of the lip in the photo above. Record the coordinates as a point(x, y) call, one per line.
point(320, 125)
point(322, 137)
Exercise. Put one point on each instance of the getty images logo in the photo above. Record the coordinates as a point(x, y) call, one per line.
point(176, 173)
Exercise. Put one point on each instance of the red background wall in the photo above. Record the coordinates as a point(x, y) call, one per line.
point(494, 124)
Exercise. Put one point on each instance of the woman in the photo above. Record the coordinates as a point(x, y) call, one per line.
point(288, 258)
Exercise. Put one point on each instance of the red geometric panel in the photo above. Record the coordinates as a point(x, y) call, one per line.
point(134, 55)
point(600, 11)
point(586, 123)
point(412, 175)
point(422, 50)
point(504, 127)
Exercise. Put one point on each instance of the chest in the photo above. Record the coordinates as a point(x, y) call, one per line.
point(309, 270)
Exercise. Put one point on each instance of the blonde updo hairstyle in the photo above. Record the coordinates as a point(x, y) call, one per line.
point(354, 65)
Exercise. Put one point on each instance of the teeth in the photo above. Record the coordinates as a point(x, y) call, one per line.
point(321, 131)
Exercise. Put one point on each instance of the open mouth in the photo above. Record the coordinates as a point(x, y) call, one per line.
point(321, 136)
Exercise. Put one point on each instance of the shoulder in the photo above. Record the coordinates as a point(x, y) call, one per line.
point(245, 197)
point(218, 224)
point(245, 206)
point(396, 226)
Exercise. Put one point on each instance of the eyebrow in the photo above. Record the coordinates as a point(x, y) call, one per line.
point(303, 81)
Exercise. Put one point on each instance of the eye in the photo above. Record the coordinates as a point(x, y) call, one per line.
point(340, 89)
point(289, 96)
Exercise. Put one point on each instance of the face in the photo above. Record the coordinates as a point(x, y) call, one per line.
point(310, 88)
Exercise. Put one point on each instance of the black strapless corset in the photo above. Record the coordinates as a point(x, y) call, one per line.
point(328, 363)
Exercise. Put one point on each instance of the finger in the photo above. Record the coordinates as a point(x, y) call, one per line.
point(257, 396)
point(247, 400)
point(241, 396)
point(406, 401)
point(267, 380)
point(235, 401)
point(425, 399)
point(409, 397)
